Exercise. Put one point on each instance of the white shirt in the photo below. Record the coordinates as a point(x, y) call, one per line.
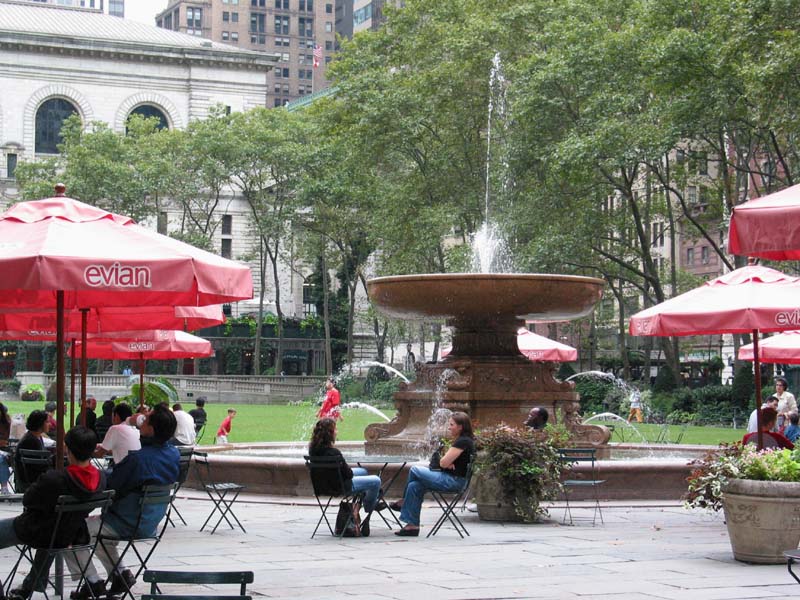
point(752, 424)
point(184, 432)
point(121, 439)
point(786, 403)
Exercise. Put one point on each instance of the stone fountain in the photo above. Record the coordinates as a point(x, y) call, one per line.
point(485, 375)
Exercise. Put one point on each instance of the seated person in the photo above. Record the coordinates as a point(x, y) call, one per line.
point(199, 413)
point(35, 438)
point(185, 434)
point(322, 444)
point(121, 438)
point(537, 418)
point(771, 439)
point(5, 432)
point(35, 525)
point(52, 426)
point(792, 432)
point(91, 416)
point(105, 421)
point(451, 477)
point(157, 463)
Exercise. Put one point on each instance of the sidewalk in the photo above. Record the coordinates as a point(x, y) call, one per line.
point(646, 550)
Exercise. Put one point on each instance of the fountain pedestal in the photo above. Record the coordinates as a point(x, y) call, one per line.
point(485, 375)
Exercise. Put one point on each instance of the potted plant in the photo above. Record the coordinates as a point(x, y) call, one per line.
point(760, 494)
point(516, 470)
point(33, 392)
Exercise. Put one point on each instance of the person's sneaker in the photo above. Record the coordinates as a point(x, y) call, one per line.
point(89, 591)
point(121, 582)
point(18, 594)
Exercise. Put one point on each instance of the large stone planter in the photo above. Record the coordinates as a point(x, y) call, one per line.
point(763, 519)
point(492, 506)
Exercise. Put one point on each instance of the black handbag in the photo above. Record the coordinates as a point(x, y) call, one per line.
point(436, 457)
point(349, 516)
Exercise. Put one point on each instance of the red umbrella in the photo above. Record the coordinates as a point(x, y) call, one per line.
point(147, 345)
point(539, 348)
point(747, 300)
point(767, 227)
point(62, 253)
point(783, 348)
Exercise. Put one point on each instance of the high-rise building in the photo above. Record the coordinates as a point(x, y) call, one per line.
point(301, 32)
point(115, 8)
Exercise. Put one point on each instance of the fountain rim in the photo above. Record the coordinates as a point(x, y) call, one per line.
point(502, 276)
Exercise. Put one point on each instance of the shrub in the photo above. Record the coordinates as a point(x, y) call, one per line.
point(33, 392)
point(565, 371)
point(593, 394)
point(660, 406)
point(665, 380)
point(10, 386)
point(382, 392)
point(681, 417)
point(743, 387)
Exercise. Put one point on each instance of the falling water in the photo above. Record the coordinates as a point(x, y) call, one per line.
point(384, 366)
point(367, 407)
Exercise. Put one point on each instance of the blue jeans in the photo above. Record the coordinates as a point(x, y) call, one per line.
point(5, 472)
point(421, 480)
point(371, 484)
point(41, 562)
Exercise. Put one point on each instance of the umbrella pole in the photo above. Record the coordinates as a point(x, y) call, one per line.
point(84, 366)
point(60, 379)
point(757, 367)
point(141, 379)
point(72, 381)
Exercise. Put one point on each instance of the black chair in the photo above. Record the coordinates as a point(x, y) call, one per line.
point(570, 457)
point(321, 470)
point(65, 506)
point(150, 496)
point(195, 578)
point(222, 494)
point(792, 557)
point(33, 463)
point(448, 501)
point(185, 462)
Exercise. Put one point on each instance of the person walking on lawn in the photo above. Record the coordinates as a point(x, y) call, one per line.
point(225, 427)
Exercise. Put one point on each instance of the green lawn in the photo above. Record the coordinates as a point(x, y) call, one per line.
point(260, 423)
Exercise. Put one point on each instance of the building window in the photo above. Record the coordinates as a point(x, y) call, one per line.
point(234, 17)
point(362, 14)
point(705, 257)
point(161, 224)
point(176, 19)
point(282, 72)
point(689, 257)
point(327, 60)
point(305, 74)
point(691, 194)
point(49, 119)
point(277, 88)
point(306, 5)
point(285, 57)
point(234, 36)
point(282, 25)
point(149, 111)
point(225, 36)
point(329, 9)
point(258, 3)
point(194, 18)
point(282, 4)
point(328, 45)
point(227, 224)
point(11, 165)
point(281, 41)
point(305, 27)
point(226, 247)
point(328, 26)
point(226, 16)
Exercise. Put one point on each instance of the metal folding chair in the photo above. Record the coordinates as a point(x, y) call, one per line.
point(196, 578)
point(318, 467)
point(150, 496)
point(222, 494)
point(792, 557)
point(448, 501)
point(65, 506)
point(571, 457)
point(185, 462)
point(33, 463)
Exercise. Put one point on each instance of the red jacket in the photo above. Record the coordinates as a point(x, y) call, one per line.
point(330, 407)
point(779, 439)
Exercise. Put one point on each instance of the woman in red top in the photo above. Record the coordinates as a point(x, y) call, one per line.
point(330, 406)
point(771, 439)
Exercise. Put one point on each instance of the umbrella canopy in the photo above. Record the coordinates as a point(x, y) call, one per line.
point(32, 324)
point(102, 259)
point(783, 348)
point(148, 345)
point(746, 300)
point(536, 347)
point(767, 227)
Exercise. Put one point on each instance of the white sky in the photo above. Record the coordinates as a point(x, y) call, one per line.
point(144, 11)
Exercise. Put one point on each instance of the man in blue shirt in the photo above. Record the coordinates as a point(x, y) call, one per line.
point(157, 463)
point(792, 432)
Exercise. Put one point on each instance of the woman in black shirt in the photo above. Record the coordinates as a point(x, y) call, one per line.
point(450, 478)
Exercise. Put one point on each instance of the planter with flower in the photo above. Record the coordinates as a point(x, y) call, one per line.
point(516, 470)
point(760, 493)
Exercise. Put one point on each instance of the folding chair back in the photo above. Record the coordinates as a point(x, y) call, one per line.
point(183, 473)
point(67, 509)
point(194, 578)
point(150, 496)
point(34, 463)
point(327, 480)
point(448, 501)
point(222, 493)
point(570, 457)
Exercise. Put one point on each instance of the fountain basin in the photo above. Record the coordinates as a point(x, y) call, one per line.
point(281, 471)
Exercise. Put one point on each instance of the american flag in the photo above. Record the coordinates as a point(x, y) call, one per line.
point(317, 55)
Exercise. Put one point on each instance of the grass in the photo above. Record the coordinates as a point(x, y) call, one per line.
point(272, 423)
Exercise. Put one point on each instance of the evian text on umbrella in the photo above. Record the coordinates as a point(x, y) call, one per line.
point(788, 318)
point(141, 346)
point(117, 275)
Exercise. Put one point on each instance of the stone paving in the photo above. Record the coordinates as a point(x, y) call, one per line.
point(644, 551)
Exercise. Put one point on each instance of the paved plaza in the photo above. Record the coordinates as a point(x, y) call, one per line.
point(644, 551)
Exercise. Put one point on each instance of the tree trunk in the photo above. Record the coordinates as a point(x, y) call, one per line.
point(326, 315)
point(273, 258)
point(262, 266)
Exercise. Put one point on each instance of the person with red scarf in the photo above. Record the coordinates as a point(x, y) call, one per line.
point(330, 406)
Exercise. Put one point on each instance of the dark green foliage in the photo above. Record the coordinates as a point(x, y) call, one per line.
point(9, 386)
point(665, 380)
point(382, 392)
point(593, 394)
point(565, 371)
point(743, 387)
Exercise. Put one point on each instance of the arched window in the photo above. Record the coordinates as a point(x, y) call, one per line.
point(49, 119)
point(148, 110)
